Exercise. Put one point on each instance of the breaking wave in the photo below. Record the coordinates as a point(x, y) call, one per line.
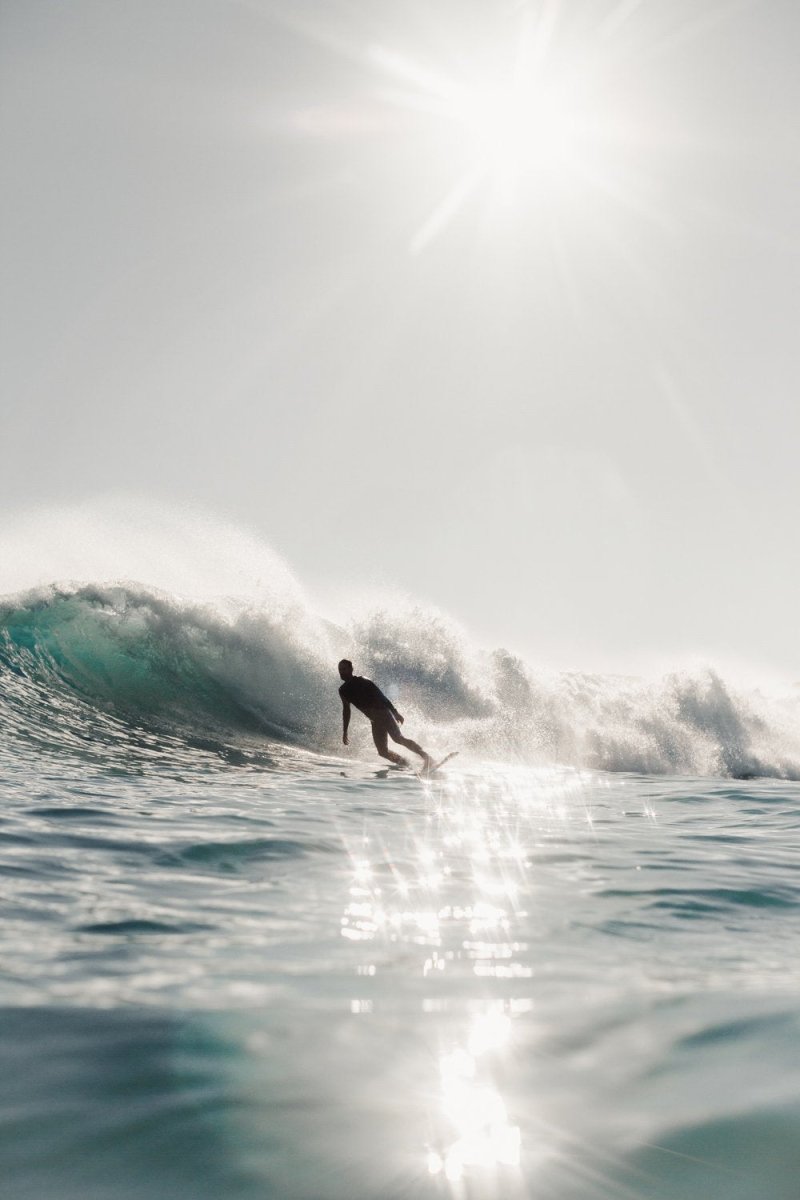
point(131, 655)
point(247, 656)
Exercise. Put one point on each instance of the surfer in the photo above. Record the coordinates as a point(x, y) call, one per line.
point(379, 711)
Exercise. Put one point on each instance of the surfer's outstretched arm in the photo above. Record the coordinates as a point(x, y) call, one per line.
point(345, 719)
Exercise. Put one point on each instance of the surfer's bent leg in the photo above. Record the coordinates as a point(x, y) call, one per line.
point(393, 729)
point(380, 734)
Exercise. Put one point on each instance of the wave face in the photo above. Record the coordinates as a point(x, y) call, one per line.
point(80, 663)
point(141, 656)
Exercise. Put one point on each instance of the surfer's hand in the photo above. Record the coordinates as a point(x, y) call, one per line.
point(344, 739)
point(400, 719)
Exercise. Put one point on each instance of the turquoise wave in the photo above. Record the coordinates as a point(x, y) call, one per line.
point(140, 656)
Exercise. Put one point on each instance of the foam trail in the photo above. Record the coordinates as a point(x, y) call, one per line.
point(260, 660)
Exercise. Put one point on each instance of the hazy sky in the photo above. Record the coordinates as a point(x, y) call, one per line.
point(494, 302)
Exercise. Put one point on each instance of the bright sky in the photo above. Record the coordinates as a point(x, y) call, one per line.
point(492, 302)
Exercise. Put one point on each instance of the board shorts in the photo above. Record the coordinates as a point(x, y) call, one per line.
point(384, 726)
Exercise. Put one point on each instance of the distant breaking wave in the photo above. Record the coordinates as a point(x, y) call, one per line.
point(75, 660)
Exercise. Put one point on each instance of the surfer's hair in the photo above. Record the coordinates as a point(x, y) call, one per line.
point(345, 662)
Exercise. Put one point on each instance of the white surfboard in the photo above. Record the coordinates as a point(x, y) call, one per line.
point(426, 772)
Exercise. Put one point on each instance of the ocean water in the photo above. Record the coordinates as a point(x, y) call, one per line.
point(239, 961)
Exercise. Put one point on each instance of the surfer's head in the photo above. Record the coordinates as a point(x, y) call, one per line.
point(345, 668)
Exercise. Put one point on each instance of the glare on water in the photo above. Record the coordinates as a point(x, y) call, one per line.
point(455, 894)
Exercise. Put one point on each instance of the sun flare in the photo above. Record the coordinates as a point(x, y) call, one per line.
point(542, 123)
point(514, 130)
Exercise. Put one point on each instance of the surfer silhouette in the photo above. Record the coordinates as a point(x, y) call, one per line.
point(379, 711)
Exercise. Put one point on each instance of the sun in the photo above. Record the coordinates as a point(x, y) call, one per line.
point(532, 130)
point(542, 123)
point(517, 130)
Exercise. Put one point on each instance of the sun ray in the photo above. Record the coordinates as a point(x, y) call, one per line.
point(618, 17)
point(690, 31)
point(543, 34)
point(629, 194)
point(430, 83)
point(543, 118)
point(444, 213)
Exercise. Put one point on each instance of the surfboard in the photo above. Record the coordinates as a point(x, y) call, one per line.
point(426, 772)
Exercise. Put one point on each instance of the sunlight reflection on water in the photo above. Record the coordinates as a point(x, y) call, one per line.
point(473, 1109)
point(466, 875)
point(455, 893)
point(507, 982)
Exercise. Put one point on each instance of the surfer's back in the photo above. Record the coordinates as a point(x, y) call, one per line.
point(363, 694)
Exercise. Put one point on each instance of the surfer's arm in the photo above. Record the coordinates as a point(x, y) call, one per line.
point(345, 719)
